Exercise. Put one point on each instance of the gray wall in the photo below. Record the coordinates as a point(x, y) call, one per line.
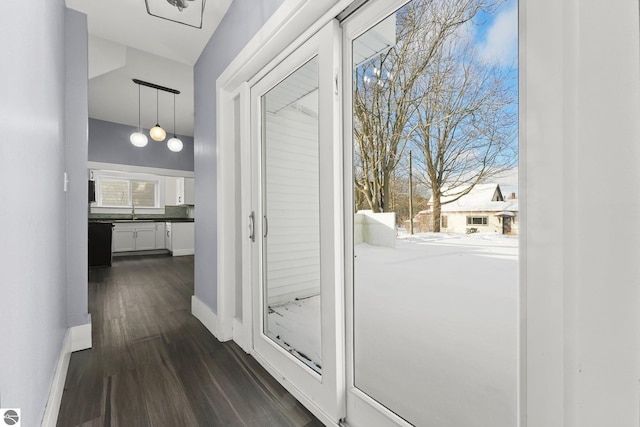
point(33, 317)
point(109, 143)
point(76, 41)
point(243, 19)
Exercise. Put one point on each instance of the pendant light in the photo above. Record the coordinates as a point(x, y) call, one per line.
point(138, 138)
point(174, 143)
point(156, 132)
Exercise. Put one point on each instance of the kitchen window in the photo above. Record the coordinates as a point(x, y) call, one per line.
point(119, 192)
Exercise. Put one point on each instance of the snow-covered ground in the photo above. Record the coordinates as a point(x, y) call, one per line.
point(435, 328)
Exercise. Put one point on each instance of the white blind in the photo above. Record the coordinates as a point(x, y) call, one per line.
point(143, 193)
point(121, 192)
point(114, 192)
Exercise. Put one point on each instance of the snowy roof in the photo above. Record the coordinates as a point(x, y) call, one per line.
point(482, 198)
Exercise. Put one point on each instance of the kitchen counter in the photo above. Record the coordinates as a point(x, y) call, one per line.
point(126, 220)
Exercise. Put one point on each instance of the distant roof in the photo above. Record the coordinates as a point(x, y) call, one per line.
point(482, 198)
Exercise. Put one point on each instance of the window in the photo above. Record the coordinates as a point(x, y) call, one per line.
point(444, 221)
point(476, 220)
point(120, 190)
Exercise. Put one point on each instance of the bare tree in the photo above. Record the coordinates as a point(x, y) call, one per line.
point(385, 97)
point(465, 124)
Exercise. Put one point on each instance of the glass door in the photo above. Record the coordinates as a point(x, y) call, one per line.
point(431, 157)
point(296, 297)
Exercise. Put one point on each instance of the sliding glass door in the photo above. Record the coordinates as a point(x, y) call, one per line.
point(431, 214)
point(296, 298)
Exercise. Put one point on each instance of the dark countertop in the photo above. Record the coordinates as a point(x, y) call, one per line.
point(123, 220)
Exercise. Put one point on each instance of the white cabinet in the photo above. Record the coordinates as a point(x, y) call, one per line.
point(145, 238)
point(132, 236)
point(185, 191)
point(181, 240)
point(160, 235)
point(179, 191)
point(123, 239)
point(168, 236)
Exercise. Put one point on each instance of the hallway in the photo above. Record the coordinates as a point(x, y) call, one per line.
point(154, 364)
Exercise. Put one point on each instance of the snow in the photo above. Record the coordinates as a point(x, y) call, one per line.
point(435, 323)
point(436, 328)
point(296, 326)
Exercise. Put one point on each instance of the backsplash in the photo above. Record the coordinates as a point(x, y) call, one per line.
point(173, 212)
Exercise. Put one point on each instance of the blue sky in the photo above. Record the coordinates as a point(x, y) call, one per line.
point(497, 37)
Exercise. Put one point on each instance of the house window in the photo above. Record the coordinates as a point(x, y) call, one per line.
point(444, 221)
point(117, 191)
point(476, 220)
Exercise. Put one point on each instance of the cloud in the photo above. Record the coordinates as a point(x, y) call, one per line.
point(501, 43)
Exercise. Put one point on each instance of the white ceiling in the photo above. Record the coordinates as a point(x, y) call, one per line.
point(125, 42)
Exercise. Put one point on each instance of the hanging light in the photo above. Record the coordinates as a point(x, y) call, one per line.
point(174, 143)
point(138, 138)
point(156, 132)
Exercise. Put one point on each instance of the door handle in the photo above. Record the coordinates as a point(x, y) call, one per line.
point(252, 226)
point(266, 226)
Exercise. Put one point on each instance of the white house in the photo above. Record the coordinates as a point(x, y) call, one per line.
point(483, 209)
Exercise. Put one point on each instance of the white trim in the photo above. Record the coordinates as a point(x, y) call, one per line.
point(292, 23)
point(140, 169)
point(75, 338)
point(204, 314)
point(240, 335)
point(182, 252)
point(246, 192)
point(81, 337)
point(225, 179)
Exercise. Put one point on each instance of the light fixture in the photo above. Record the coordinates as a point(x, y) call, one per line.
point(138, 138)
point(174, 143)
point(186, 12)
point(157, 133)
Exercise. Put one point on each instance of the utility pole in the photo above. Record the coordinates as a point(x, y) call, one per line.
point(410, 195)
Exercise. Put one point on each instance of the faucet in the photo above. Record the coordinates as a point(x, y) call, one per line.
point(133, 212)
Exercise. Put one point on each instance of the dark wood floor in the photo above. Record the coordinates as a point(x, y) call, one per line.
point(154, 364)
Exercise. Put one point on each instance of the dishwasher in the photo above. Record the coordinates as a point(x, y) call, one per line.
point(100, 235)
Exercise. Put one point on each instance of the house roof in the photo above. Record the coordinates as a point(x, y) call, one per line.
point(482, 198)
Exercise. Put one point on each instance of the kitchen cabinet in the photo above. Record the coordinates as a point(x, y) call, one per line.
point(167, 236)
point(179, 191)
point(170, 187)
point(186, 188)
point(160, 235)
point(124, 239)
point(181, 239)
point(135, 237)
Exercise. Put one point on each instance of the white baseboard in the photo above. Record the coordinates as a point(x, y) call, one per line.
point(182, 252)
point(81, 337)
point(76, 338)
point(204, 314)
point(241, 336)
